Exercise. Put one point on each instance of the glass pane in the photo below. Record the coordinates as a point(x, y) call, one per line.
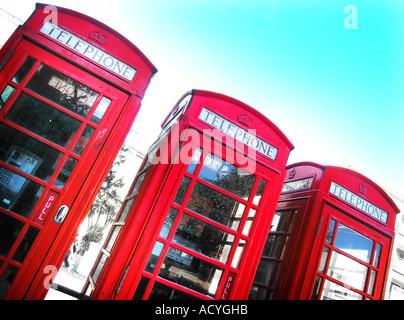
point(191, 272)
point(239, 253)
point(347, 271)
point(323, 261)
point(353, 243)
point(330, 232)
point(227, 176)
point(98, 269)
point(316, 289)
point(333, 291)
point(112, 238)
point(275, 221)
point(162, 292)
point(249, 222)
point(141, 288)
point(172, 214)
point(260, 191)
point(195, 160)
point(28, 154)
point(283, 222)
point(17, 193)
point(247, 227)
point(182, 190)
point(62, 90)
point(292, 221)
point(372, 280)
point(257, 293)
point(203, 238)
point(7, 279)
point(43, 120)
point(101, 109)
point(264, 271)
point(151, 264)
point(273, 246)
point(377, 255)
point(25, 244)
point(215, 205)
point(24, 70)
point(83, 140)
point(65, 173)
point(125, 210)
point(285, 244)
point(5, 95)
point(9, 230)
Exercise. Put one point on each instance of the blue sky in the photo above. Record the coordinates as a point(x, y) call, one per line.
point(336, 93)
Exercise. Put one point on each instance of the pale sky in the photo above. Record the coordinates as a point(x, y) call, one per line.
point(336, 93)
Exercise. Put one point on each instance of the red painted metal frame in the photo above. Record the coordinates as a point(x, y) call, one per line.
point(149, 210)
point(54, 240)
point(316, 204)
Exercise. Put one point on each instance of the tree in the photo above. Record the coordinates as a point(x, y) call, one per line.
point(105, 206)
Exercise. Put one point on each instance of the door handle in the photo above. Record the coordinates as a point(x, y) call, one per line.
point(61, 214)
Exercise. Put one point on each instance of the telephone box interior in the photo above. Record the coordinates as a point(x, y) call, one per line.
point(195, 219)
point(331, 238)
point(70, 90)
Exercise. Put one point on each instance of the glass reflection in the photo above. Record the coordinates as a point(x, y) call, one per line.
point(227, 176)
point(162, 292)
point(191, 272)
point(347, 271)
point(330, 232)
point(43, 120)
point(333, 291)
point(9, 231)
point(62, 90)
point(151, 264)
point(239, 253)
point(65, 173)
point(377, 255)
point(5, 95)
point(353, 243)
point(203, 238)
point(257, 293)
point(83, 140)
point(25, 244)
point(168, 223)
point(101, 109)
point(264, 271)
point(215, 205)
point(194, 161)
point(259, 192)
point(24, 70)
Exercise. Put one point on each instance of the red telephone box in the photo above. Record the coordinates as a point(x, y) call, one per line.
point(331, 238)
point(70, 90)
point(195, 220)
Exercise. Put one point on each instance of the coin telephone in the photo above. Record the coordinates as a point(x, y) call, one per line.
point(12, 185)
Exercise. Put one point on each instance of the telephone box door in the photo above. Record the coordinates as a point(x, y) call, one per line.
point(55, 120)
